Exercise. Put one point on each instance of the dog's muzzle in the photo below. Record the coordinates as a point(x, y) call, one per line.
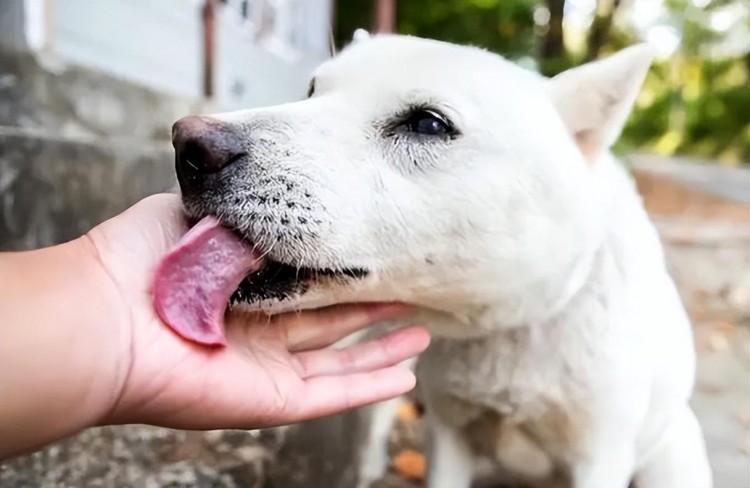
point(203, 147)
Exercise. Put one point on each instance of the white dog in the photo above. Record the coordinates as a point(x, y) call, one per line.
point(484, 194)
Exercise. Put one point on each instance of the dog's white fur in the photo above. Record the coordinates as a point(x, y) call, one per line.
point(561, 350)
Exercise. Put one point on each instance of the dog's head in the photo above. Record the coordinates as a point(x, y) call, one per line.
point(416, 170)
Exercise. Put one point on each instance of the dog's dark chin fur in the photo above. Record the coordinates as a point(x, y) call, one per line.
point(279, 282)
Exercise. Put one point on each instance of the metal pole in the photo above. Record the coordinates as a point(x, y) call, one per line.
point(209, 35)
point(385, 16)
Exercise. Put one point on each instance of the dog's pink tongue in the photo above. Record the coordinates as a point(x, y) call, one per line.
point(195, 280)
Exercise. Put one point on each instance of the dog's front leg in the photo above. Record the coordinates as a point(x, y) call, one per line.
point(450, 461)
point(380, 417)
point(680, 460)
point(610, 466)
point(374, 458)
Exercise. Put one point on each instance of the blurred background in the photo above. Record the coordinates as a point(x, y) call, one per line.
point(695, 101)
point(89, 90)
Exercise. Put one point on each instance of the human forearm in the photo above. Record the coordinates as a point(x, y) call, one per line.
point(59, 364)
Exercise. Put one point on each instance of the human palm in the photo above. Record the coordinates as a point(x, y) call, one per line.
point(274, 370)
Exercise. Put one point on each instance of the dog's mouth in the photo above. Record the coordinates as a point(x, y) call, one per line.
point(212, 266)
point(279, 281)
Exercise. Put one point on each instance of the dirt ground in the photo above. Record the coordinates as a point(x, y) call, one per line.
point(706, 233)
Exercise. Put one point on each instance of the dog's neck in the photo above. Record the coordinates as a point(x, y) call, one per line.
point(550, 298)
point(540, 304)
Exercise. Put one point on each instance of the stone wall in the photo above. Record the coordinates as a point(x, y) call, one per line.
point(76, 147)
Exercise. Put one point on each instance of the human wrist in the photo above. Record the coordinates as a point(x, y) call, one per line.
point(63, 344)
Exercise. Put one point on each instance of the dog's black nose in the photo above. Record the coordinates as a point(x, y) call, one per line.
point(203, 146)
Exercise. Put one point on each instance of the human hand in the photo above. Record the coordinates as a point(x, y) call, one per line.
point(273, 371)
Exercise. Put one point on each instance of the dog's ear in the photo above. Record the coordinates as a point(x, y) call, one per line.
point(360, 35)
point(594, 100)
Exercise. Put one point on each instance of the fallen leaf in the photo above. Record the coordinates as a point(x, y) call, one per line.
point(410, 464)
point(725, 327)
point(716, 335)
point(717, 342)
point(407, 412)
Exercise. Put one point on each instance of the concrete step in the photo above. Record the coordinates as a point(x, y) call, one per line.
point(54, 188)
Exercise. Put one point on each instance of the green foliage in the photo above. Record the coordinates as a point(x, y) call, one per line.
point(696, 107)
point(498, 25)
point(695, 103)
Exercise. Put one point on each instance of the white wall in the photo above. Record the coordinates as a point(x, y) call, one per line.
point(262, 59)
point(154, 42)
point(253, 71)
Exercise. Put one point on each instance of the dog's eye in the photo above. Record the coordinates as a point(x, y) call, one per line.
point(428, 123)
point(311, 88)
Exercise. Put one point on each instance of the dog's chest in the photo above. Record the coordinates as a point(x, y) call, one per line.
point(506, 371)
point(519, 379)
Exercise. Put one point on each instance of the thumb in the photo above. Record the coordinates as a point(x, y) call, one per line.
point(158, 219)
point(144, 232)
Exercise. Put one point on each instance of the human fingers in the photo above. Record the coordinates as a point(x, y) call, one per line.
point(327, 395)
point(314, 329)
point(385, 351)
